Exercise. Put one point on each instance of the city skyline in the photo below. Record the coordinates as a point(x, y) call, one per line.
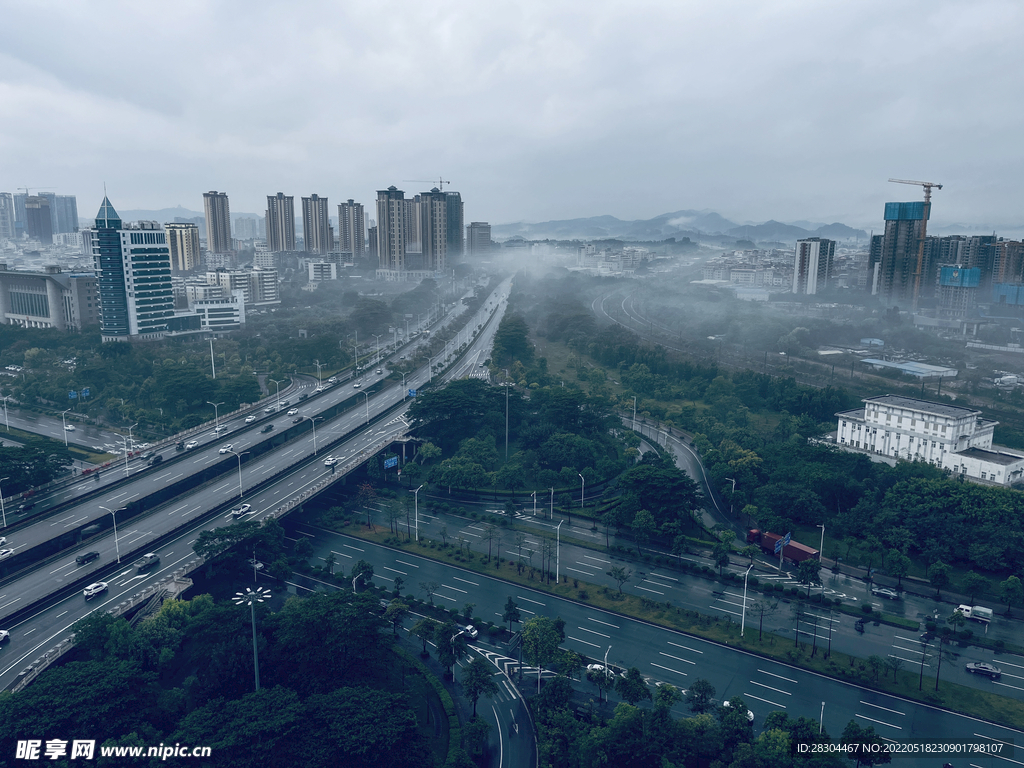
point(533, 111)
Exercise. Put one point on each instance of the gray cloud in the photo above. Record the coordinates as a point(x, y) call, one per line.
point(535, 110)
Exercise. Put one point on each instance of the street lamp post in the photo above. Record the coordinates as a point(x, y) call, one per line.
point(65, 423)
point(534, 503)
point(551, 514)
point(2, 510)
point(377, 336)
point(6, 420)
point(634, 413)
point(124, 440)
point(319, 373)
point(558, 548)
point(506, 414)
point(278, 383)
point(313, 422)
point(416, 497)
point(731, 495)
point(251, 597)
point(367, 396)
point(131, 443)
point(239, 457)
point(583, 486)
point(404, 390)
point(216, 411)
point(113, 514)
point(743, 620)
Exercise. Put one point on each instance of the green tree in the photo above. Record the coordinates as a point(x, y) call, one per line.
point(809, 572)
point(429, 588)
point(424, 630)
point(897, 564)
point(667, 696)
point(602, 678)
point(876, 663)
point(361, 575)
point(572, 663)
point(854, 735)
point(973, 584)
point(478, 680)
point(722, 549)
point(303, 548)
point(632, 688)
point(540, 643)
point(1011, 592)
point(395, 613)
point(449, 647)
point(643, 528)
point(511, 613)
point(621, 575)
point(938, 575)
point(700, 696)
point(956, 619)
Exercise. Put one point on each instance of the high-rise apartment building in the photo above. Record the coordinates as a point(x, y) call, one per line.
point(391, 230)
point(247, 228)
point(351, 228)
point(1008, 261)
point(900, 250)
point(280, 223)
point(812, 265)
point(317, 232)
point(478, 238)
point(133, 268)
point(258, 286)
point(456, 222)
point(6, 216)
point(433, 228)
point(38, 223)
point(64, 214)
point(218, 222)
point(412, 225)
point(183, 240)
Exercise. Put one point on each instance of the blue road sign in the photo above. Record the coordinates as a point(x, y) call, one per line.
point(787, 539)
point(412, 393)
point(72, 395)
point(392, 462)
point(778, 546)
point(85, 392)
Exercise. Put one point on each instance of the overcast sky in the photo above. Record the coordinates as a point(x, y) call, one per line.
point(535, 110)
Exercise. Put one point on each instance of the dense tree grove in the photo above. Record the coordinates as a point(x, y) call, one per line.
point(186, 675)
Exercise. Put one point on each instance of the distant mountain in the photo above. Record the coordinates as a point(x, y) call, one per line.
point(692, 224)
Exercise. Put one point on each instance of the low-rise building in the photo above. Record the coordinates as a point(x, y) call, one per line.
point(48, 299)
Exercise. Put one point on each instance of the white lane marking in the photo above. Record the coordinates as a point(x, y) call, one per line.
point(880, 722)
point(659, 576)
point(685, 661)
point(787, 679)
point(669, 669)
point(598, 621)
point(894, 711)
point(395, 570)
point(1007, 685)
point(577, 570)
point(777, 690)
point(593, 632)
point(448, 586)
point(766, 701)
point(349, 546)
point(466, 581)
point(405, 563)
point(593, 645)
point(446, 597)
point(535, 602)
point(684, 647)
point(645, 589)
point(342, 554)
point(61, 614)
point(588, 557)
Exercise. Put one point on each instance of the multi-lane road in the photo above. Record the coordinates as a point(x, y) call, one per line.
point(46, 598)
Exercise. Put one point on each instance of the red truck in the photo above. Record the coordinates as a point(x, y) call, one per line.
point(794, 551)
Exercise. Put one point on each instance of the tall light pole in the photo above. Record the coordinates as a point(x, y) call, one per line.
point(821, 719)
point(319, 375)
point(634, 413)
point(216, 412)
point(558, 548)
point(239, 457)
point(367, 396)
point(377, 337)
point(404, 390)
point(506, 414)
point(551, 514)
point(313, 422)
point(731, 495)
point(743, 620)
point(416, 497)
point(534, 494)
point(278, 383)
point(113, 514)
point(65, 423)
point(2, 510)
point(6, 420)
point(213, 366)
point(821, 547)
point(131, 443)
point(251, 597)
point(583, 486)
point(124, 440)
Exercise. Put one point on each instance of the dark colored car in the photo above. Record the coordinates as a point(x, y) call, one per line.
point(86, 557)
point(267, 428)
point(303, 396)
point(154, 460)
point(985, 670)
point(296, 420)
point(147, 561)
point(180, 445)
point(26, 506)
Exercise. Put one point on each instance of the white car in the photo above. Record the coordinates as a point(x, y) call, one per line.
point(240, 511)
point(226, 448)
point(69, 427)
point(3, 540)
point(220, 428)
point(292, 411)
point(269, 409)
point(332, 380)
point(5, 635)
point(356, 385)
point(600, 668)
point(94, 589)
point(250, 418)
point(256, 564)
point(330, 461)
point(5, 553)
point(470, 630)
point(320, 389)
point(191, 444)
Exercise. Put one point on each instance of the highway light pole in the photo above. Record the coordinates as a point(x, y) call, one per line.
point(377, 336)
point(558, 548)
point(319, 373)
point(743, 620)
point(65, 423)
point(278, 383)
point(216, 412)
point(131, 443)
point(534, 494)
point(634, 413)
point(506, 414)
point(252, 597)
point(2, 510)
point(367, 396)
point(733, 481)
point(239, 457)
point(6, 420)
point(583, 485)
point(551, 514)
point(416, 497)
point(124, 440)
point(113, 514)
point(313, 422)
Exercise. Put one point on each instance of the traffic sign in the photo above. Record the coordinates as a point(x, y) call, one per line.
point(412, 393)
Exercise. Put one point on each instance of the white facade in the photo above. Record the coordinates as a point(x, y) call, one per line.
point(322, 270)
point(948, 436)
point(220, 314)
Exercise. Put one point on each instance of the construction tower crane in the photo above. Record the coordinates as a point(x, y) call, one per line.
point(440, 182)
point(924, 230)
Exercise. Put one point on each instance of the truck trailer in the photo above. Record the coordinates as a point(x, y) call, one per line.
point(795, 552)
point(976, 613)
